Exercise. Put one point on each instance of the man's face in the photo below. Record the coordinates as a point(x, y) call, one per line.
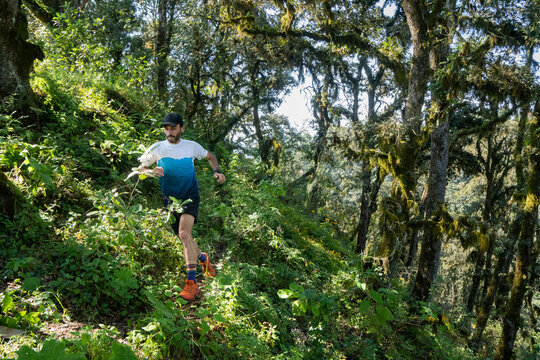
point(173, 133)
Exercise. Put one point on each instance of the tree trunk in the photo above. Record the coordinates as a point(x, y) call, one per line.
point(322, 116)
point(475, 282)
point(365, 216)
point(486, 274)
point(16, 54)
point(368, 208)
point(163, 45)
point(533, 311)
point(494, 284)
point(430, 254)
point(8, 197)
point(500, 299)
point(370, 189)
point(264, 144)
point(407, 147)
point(526, 257)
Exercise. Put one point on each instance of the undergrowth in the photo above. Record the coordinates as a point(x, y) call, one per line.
point(87, 246)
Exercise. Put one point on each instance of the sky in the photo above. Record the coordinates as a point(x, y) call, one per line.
point(297, 109)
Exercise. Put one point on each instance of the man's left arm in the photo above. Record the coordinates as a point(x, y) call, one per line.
point(215, 166)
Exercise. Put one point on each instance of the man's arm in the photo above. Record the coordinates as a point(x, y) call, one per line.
point(215, 166)
point(156, 171)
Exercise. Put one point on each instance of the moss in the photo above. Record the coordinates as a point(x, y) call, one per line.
point(9, 196)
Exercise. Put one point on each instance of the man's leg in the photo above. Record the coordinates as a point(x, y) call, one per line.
point(191, 250)
point(191, 253)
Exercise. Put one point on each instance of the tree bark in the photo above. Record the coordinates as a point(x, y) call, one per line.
point(407, 147)
point(525, 257)
point(533, 311)
point(17, 55)
point(320, 112)
point(8, 197)
point(475, 281)
point(370, 189)
point(430, 254)
point(163, 45)
point(365, 216)
point(494, 284)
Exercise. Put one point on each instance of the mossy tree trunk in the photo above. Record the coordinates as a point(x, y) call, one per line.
point(506, 252)
point(17, 55)
point(166, 10)
point(321, 103)
point(8, 197)
point(441, 111)
point(430, 253)
point(264, 144)
point(404, 158)
point(370, 187)
point(525, 256)
point(494, 285)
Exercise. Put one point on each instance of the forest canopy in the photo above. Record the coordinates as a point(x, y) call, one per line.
point(400, 222)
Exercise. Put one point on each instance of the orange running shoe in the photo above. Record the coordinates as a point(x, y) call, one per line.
point(190, 290)
point(208, 269)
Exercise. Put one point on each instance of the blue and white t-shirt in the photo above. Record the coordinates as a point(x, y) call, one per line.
point(177, 161)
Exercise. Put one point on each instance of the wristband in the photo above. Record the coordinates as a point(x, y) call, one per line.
point(217, 171)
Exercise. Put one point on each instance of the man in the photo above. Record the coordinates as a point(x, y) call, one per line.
point(175, 167)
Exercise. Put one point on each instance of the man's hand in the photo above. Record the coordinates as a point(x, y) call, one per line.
point(219, 177)
point(158, 171)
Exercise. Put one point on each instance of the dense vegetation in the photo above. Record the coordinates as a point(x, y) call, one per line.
point(402, 225)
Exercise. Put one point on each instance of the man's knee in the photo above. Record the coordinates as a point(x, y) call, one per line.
point(184, 235)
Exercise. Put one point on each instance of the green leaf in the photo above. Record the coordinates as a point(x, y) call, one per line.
point(315, 309)
point(297, 288)
point(7, 303)
point(299, 307)
point(42, 171)
point(383, 314)
point(150, 327)
point(204, 327)
point(364, 306)
point(32, 317)
point(159, 306)
point(50, 349)
point(285, 293)
point(30, 284)
point(219, 318)
point(375, 296)
point(363, 286)
point(124, 278)
point(122, 352)
point(225, 280)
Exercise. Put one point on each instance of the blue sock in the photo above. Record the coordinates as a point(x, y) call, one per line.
point(192, 273)
point(202, 258)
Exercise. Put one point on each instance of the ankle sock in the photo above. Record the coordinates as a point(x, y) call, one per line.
point(192, 272)
point(202, 258)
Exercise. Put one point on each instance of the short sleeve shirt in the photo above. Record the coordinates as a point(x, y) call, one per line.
point(177, 161)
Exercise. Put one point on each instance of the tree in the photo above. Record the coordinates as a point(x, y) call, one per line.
point(441, 111)
point(17, 55)
point(525, 256)
point(162, 48)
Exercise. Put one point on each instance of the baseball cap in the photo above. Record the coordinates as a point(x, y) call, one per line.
point(173, 119)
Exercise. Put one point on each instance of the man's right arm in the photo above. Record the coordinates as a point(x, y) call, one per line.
point(156, 171)
point(149, 158)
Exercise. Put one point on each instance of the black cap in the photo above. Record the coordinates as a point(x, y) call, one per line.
point(173, 119)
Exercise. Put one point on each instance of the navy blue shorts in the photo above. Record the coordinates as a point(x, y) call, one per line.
point(192, 209)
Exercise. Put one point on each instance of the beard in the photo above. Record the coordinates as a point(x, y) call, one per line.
point(174, 139)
